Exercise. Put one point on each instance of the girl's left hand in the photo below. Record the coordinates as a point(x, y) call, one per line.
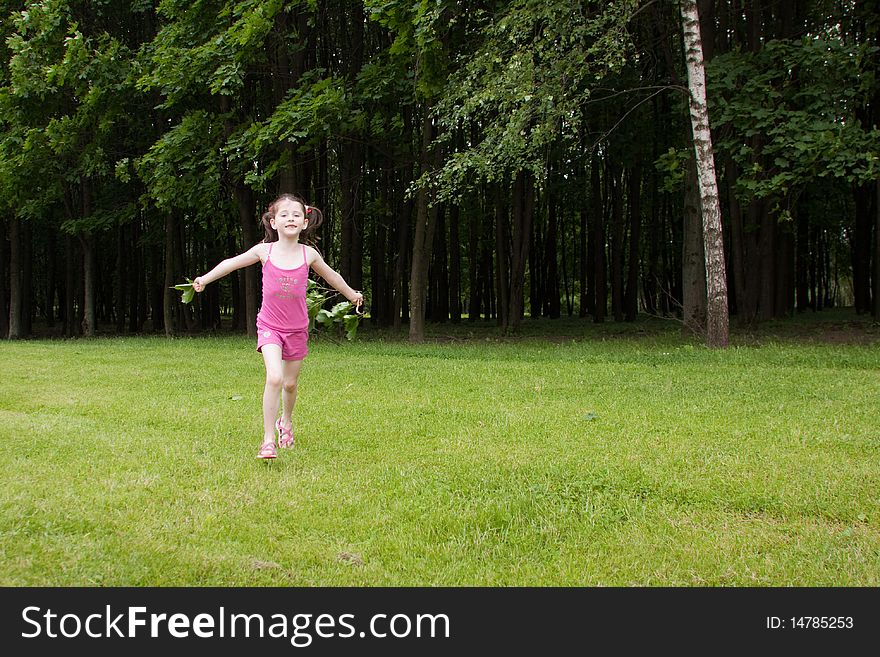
point(357, 300)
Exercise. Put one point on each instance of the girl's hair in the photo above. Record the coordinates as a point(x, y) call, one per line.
point(313, 215)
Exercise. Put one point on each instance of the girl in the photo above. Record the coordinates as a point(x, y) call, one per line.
point(283, 320)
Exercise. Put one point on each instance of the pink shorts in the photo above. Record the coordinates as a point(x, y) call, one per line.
point(294, 344)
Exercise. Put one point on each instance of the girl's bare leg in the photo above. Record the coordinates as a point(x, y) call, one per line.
point(272, 391)
point(290, 376)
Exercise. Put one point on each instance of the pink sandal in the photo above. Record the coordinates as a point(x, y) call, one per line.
point(267, 450)
point(285, 436)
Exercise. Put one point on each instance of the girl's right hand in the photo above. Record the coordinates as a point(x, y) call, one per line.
point(198, 286)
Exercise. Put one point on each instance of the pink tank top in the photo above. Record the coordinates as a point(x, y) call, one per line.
point(284, 296)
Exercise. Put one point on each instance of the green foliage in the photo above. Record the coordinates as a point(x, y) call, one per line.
point(67, 111)
point(419, 30)
point(672, 164)
point(787, 114)
point(313, 111)
point(316, 297)
point(525, 83)
point(182, 168)
point(340, 318)
point(207, 47)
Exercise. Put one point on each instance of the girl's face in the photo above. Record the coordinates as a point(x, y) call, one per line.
point(290, 217)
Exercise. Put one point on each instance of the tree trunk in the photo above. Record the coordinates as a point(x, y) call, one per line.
point(567, 273)
point(767, 252)
point(184, 310)
point(210, 303)
point(322, 184)
point(716, 280)
point(15, 293)
point(861, 248)
point(422, 243)
point(693, 258)
point(391, 255)
point(352, 166)
point(502, 257)
point(135, 279)
point(454, 265)
point(89, 317)
point(815, 269)
point(615, 190)
point(351, 247)
point(27, 278)
point(600, 304)
point(746, 302)
point(378, 275)
point(586, 293)
point(802, 257)
point(440, 303)
point(523, 215)
point(156, 291)
point(245, 201)
point(70, 256)
point(785, 288)
point(401, 288)
point(237, 288)
point(473, 262)
point(489, 298)
point(635, 224)
point(4, 273)
point(89, 257)
point(673, 266)
point(123, 257)
point(51, 269)
point(536, 272)
point(167, 299)
point(551, 256)
point(655, 245)
point(877, 251)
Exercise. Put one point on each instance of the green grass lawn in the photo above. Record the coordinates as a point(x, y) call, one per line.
point(633, 457)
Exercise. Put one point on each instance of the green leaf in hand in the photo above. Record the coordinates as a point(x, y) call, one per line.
point(342, 317)
point(341, 308)
point(187, 290)
point(351, 323)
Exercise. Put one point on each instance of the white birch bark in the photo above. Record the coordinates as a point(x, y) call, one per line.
point(717, 320)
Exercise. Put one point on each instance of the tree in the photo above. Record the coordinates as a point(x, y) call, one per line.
point(522, 88)
point(717, 320)
point(68, 111)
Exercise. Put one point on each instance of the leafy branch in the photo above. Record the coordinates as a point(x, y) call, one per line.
point(343, 316)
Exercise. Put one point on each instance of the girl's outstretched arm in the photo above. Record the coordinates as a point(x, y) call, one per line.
point(249, 257)
point(333, 278)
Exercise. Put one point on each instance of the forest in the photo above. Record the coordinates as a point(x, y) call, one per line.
point(487, 160)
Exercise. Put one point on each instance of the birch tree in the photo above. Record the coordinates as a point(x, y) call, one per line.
point(717, 319)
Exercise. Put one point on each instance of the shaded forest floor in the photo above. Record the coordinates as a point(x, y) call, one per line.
point(834, 326)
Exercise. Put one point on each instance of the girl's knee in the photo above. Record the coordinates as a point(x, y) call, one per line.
point(274, 379)
point(290, 385)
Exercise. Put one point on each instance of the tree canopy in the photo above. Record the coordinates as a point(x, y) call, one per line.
point(490, 160)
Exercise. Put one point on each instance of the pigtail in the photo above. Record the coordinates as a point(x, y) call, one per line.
point(269, 233)
point(315, 218)
point(312, 214)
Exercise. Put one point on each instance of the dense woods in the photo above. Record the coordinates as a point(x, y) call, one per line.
point(486, 160)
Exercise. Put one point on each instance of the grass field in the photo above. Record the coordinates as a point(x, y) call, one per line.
point(602, 456)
